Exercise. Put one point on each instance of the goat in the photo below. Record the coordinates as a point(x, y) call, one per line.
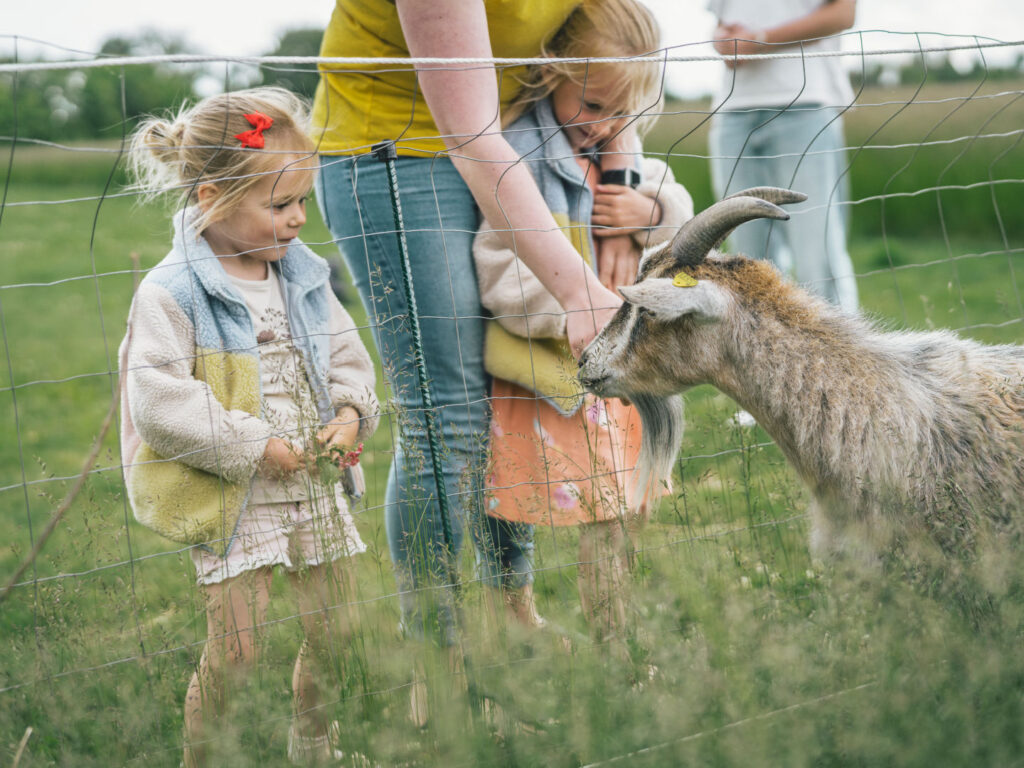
point(892, 432)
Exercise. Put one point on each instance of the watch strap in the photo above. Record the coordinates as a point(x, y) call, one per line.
point(627, 177)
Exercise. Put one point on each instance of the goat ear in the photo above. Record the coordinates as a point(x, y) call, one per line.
point(705, 302)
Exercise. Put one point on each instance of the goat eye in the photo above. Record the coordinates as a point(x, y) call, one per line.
point(646, 313)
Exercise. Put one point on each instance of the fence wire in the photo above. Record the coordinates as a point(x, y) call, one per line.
point(729, 616)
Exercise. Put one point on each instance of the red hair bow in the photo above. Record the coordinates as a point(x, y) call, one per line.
point(254, 138)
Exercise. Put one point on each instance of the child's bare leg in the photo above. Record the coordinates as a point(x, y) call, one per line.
point(516, 604)
point(235, 608)
point(505, 553)
point(634, 526)
point(324, 594)
point(603, 578)
point(522, 606)
point(447, 672)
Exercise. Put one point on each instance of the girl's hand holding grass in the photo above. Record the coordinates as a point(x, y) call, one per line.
point(337, 444)
point(334, 448)
point(341, 431)
point(283, 457)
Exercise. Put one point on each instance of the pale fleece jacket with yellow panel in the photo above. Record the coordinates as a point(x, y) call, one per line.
point(520, 304)
point(191, 434)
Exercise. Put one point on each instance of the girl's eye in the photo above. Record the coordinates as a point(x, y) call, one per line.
point(282, 206)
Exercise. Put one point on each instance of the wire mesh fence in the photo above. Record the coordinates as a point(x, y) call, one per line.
point(736, 647)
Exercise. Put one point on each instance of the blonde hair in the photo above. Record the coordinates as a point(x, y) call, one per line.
point(599, 29)
point(197, 145)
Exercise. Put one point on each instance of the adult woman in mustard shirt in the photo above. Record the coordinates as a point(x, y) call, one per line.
point(453, 164)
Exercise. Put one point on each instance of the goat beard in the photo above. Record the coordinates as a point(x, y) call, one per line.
point(662, 424)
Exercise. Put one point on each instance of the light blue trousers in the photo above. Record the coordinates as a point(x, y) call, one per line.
point(440, 219)
point(801, 149)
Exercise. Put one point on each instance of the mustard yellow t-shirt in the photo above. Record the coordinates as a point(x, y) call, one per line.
point(356, 107)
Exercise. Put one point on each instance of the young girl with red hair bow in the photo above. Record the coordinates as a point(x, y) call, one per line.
point(247, 393)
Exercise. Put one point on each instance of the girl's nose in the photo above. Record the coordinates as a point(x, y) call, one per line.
point(296, 215)
point(605, 128)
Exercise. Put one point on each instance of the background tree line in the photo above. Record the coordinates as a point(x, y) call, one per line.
point(104, 102)
point(96, 103)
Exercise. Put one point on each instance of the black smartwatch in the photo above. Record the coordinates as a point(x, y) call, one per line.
point(627, 177)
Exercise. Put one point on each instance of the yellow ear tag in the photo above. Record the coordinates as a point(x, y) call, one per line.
point(683, 280)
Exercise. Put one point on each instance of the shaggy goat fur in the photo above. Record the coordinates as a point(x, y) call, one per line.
point(892, 432)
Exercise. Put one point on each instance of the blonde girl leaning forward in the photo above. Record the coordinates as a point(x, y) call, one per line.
point(559, 457)
point(241, 370)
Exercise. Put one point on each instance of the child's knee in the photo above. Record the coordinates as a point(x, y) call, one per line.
point(606, 535)
point(232, 653)
point(322, 631)
point(325, 595)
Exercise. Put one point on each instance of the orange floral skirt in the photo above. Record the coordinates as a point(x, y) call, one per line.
point(551, 469)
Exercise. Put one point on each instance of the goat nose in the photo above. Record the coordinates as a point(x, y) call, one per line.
point(583, 359)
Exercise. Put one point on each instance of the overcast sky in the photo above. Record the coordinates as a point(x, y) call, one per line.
point(235, 28)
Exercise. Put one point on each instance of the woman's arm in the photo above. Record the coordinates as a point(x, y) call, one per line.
point(829, 18)
point(512, 293)
point(464, 104)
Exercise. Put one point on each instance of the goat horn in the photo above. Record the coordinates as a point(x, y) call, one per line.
point(711, 226)
point(776, 195)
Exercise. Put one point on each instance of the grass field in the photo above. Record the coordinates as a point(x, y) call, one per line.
point(762, 657)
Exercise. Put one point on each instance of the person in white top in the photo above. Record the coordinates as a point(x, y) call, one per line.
point(778, 122)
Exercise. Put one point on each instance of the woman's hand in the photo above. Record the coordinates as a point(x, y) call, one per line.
point(588, 314)
point(827, 19)
point(738, 40)
point(623, 210)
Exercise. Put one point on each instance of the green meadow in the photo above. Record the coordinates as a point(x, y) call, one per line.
point(742, 651)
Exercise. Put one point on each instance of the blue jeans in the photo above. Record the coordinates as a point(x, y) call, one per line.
point(798, 148)
point(440, 219)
